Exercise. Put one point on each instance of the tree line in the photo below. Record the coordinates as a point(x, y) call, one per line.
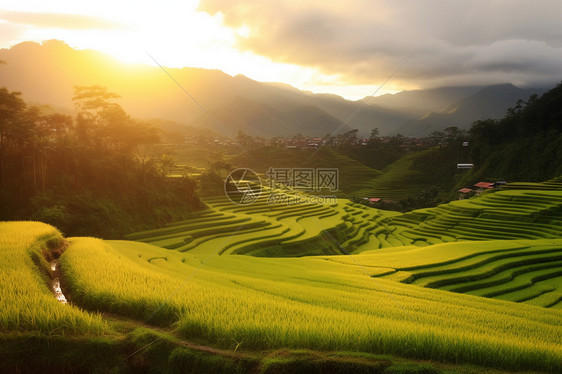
point(525, 145)
point(95, 173)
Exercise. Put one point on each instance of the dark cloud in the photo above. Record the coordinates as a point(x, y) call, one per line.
point(57, 20)
point(451, 42)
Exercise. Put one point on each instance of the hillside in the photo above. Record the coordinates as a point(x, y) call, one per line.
point(239, 102)
point(524, 145)
point(425, 101)
point(510, 214)
point(179, 299)
point(399, 180)
point(148, 92)
point(487, 102)
point(353, 175)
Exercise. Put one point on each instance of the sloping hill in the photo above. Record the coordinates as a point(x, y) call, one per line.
point(320, 302)
point(399, 179)
point(181, 294)
point(426, 101)
point(148, 92)
point(292, 224)
point(488, 102)
point(353, 175)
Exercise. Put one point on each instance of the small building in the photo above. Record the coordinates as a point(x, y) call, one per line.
point(374, 200)
point(499, 184)
point(464, 192)
point(481, 186)
point(465, 166)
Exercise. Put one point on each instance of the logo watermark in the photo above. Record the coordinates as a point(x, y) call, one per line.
point(304, 179)
point(287, 199)
point(243, 186)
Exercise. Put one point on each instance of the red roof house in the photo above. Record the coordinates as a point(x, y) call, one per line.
point(484, 185)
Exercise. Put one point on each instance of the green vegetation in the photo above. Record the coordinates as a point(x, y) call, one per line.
point(26, 303)
point(399, 180)
point(517, 270)
point(268, 287)
point(33, 324)
point(523, 146)
point(303, 228)
point(422, 177)
point(184, 300)
point(100, 173)
point(278, 223)
point(268, 303)
point(353, 175)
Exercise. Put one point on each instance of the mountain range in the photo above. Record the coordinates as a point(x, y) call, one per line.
point(46, 74)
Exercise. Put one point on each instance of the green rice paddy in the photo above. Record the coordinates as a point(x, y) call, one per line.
point(475, 282)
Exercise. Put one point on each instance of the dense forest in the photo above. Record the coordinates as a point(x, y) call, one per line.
point(95, 174)
point(102, 172)
point(525, 145)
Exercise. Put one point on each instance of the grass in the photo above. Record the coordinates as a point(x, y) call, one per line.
point(353, 175)
point(398, 180)
point(37, 332)
point(269, 303)
point(27, 304)
point(295, 302)
point(301, 228)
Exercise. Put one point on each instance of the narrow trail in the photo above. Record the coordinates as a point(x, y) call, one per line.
point(131, 324)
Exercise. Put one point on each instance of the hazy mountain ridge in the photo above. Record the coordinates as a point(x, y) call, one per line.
point(488, 102)
point(427, 100)
point(46, 74)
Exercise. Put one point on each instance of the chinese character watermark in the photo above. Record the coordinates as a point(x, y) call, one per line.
point(304, 179)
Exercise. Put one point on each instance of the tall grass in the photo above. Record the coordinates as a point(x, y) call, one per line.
point(26, 302)
point(309, 303)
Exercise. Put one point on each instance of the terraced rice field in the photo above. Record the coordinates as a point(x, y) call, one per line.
point(527, 271)
point(510, 214)
point(27, 306)
point(265, 229)
point(397, 181)
point(434, 284)
point(307, 228)
point(325, 302)
point(275, 228)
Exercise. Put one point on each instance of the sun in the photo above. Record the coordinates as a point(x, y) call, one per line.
point(171, 34)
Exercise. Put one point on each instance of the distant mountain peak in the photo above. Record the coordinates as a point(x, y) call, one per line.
point(488, 102)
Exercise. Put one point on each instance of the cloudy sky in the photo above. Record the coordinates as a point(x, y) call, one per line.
point(350, 47)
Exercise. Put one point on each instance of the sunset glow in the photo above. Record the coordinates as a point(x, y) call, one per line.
point(175, 34)
point(348, 49)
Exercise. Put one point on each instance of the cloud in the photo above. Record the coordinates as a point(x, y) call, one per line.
point(58, 20)
point(364, 41)
point(9, 33)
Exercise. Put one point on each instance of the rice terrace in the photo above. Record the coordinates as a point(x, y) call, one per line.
point(392, 204)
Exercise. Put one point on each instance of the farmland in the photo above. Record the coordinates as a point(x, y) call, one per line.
point(273, 286)
point(281, 187)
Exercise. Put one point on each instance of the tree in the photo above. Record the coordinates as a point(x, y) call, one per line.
point(166, 163)
point(96, 113)
point(454, 134)
point(11, 108)
point(245, 140)
point(98, 176)
point(349, 137)
point(374, 137)
point(397, 139)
